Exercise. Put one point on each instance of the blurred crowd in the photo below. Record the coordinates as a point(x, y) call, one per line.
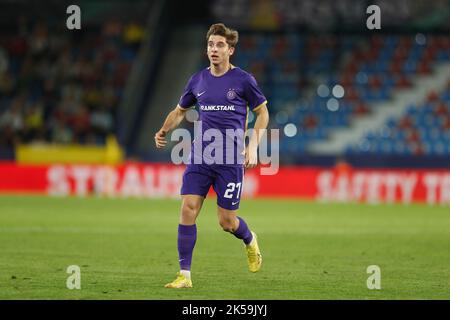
point(327, 14)
point(61, 86)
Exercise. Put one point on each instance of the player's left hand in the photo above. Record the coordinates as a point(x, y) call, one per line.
point(251, 158)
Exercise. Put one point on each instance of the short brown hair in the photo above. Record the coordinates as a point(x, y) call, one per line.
point(219, 29)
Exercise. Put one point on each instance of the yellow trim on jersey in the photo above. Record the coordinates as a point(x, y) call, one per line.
point(260, 106)
point(183, 108)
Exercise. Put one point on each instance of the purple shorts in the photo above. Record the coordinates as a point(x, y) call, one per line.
point(227, 182)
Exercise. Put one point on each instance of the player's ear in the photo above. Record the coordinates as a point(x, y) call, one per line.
point(231, 51)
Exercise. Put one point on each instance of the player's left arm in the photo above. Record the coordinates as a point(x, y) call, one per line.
point(262, 120)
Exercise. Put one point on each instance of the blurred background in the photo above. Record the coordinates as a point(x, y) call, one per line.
point(364, 143)
point(342, 96)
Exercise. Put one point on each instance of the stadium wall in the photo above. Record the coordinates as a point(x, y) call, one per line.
point(340, 184)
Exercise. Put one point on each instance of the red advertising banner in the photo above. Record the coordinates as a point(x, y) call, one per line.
point(164, 180)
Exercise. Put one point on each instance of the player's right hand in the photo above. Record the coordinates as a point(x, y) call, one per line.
point(160, 139)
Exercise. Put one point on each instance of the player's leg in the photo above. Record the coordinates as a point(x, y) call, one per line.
point(230, 222)
point(196, 183)
point(187, 231)
point(228, 186)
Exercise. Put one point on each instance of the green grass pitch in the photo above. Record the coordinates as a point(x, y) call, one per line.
point(126, 249)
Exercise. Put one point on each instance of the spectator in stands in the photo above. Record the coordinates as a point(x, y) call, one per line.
point(34, 123)
point(58, 90)
point(133, 34)
point(11, 121)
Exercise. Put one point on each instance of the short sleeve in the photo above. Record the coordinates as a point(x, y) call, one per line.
point(188, 99)
point(253, 94)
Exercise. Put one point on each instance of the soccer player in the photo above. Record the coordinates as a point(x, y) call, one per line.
point(224, 94)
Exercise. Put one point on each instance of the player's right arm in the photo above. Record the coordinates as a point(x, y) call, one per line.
point(172, 121)
point(174, 118)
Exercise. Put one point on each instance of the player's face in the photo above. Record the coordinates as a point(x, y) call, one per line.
point(218, 50)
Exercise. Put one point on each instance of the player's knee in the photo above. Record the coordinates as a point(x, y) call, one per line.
point(190, 209)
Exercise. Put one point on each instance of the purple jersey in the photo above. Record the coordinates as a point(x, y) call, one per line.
point(223, 104)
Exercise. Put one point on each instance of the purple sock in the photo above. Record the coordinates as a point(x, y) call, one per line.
point(187, 235)
point(243, 232)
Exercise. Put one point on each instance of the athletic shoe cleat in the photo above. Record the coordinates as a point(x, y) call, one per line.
point(254, 256)
point(180, 282)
